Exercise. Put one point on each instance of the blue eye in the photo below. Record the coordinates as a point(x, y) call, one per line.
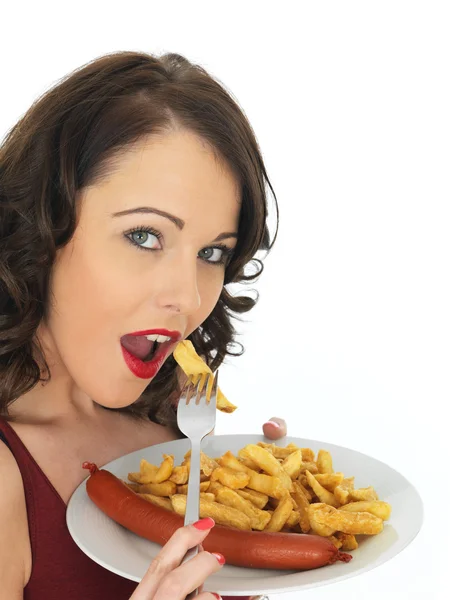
point(145, 238)
point(215, 255)
point(211, 254)
point(141, 238)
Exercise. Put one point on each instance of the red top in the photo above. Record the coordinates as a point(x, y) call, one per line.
point(60, 569)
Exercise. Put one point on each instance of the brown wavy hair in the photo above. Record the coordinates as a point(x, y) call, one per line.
point(67, 140)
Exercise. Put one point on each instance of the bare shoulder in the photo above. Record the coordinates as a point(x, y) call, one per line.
point(15, 550)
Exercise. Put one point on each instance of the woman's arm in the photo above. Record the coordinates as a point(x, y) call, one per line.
point(14, 535)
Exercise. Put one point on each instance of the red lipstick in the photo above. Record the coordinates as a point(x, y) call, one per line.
point(147, 369)
point(175, 335)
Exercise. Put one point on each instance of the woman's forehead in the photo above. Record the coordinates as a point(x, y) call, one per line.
point(177, 172)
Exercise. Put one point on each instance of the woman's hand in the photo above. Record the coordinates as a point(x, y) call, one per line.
point(275, 428)
point(167, 579)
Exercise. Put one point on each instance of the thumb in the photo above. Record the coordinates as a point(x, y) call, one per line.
point(275, 428)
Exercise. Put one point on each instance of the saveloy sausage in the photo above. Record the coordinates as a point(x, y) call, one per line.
point(255, 549)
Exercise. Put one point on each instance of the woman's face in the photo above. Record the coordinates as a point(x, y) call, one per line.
point(148, 254)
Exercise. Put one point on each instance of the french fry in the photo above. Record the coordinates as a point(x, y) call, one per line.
point(280, 453)
point(329, 480)
point(146, 473)
point(188, 359)
point(183, 489)
point(165, 469)
point(266, 484)
point(274, 502)
point(347, 540)
point(259, 518)
point(267, 462)
point(309, 466)
point(342, 491)
point(375, 507)
point(355, 523)
point(230, 461)
point(151, 473)
point(194, 367)
point(264, 459)
point(166, 488)
point(214, 487)
point(303, 480)
point(291, 446)
point(207, 464)
point(250, 464)
point(228, 477)
point(256, 498)
point(308, 455)
point(135, 487)
point(305, 489)
point(281, 514)
point(180, 475)
point(292, 464)
point(323, 494)
point(367, 494)
point(158, 500)
point(207, 496)
point(222, 515)
point(293, 519)
point(324, 462)
point(336, 541)
point(317, 526)
point(302, 507)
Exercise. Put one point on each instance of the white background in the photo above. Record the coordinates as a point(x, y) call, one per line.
point(350, 102)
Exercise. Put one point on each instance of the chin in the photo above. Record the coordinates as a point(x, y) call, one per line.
point(114, 398)
point(119, 403)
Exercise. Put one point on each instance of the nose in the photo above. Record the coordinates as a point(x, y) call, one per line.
point(178, 285)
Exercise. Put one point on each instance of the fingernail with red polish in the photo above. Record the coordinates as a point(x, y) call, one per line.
point(216, 596)
point(220, 558)
point(272, 423)
point(204, 524)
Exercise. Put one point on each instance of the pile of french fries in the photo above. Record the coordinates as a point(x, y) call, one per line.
point(268, 488)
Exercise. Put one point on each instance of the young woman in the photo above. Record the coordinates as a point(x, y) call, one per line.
point(131, 194)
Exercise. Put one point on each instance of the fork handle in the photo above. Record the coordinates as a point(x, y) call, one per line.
point(190, 554)
point(193, 495)
point(193, 501)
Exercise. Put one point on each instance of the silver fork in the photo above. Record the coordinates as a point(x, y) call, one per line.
point(196, 418)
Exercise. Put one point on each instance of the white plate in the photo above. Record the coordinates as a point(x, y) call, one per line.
point(128, 555)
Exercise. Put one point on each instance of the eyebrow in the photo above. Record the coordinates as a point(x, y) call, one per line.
point(149, 210)
point(176, 220)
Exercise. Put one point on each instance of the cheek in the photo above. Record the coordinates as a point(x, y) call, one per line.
point(92, 298)
point(93, 295)
point(82, 294)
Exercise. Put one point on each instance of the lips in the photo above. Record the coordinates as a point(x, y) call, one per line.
point(145, 351)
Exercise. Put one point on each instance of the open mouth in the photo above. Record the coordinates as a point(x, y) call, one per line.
point(145, 351)
point(144, 347)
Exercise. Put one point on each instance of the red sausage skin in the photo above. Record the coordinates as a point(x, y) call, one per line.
point(255, 549)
